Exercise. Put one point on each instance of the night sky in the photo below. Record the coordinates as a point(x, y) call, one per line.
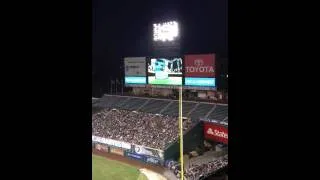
point(121, 28)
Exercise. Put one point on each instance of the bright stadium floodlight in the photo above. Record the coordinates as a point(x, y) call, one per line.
point(167, 31)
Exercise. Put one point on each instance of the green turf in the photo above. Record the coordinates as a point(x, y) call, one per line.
point(170, 81)
point(105, 169)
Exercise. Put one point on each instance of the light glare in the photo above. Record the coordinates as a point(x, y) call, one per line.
point(167, 31)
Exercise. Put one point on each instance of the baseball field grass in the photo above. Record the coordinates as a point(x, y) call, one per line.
point(105, 169)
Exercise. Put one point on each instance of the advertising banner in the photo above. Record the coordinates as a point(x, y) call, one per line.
point(153, 160)
point(191, 81)
point(165, 71)
point(135, 80)
point(135, 66)
point(164, 87)
point(111, 142)
point(117, 151)
point(101, 147)
point(147, 151)
point(136, 156)
point(200, 65)
point(216, 132)
point(194, 88)
point(136, 85)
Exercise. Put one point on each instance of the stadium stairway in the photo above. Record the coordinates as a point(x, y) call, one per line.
point(195, 107)
point(172, 109)
point(133, 104)
point(147, 101)
point(187, 107)
point(122, 103)
point(113, 101)
point(213, 108)
point(166, 107)
point(225, 119)
point(107, 101)
point(220, 113)
point(154, 106)
point(201, 110)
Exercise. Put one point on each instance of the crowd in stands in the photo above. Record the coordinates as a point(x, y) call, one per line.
point(197, 172)
point(140, 128)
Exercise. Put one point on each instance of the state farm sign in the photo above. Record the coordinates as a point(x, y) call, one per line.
point(202, 65)
point(216, 132)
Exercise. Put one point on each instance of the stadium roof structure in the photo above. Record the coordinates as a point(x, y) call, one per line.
point(94, 100)
point(211, 112)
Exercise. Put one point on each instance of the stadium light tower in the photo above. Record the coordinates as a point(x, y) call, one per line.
point(167, 31)
point(166, 38)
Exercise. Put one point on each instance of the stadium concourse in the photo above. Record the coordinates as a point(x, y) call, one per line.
point(128, 122)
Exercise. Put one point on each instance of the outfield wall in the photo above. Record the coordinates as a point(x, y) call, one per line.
point(132, 151)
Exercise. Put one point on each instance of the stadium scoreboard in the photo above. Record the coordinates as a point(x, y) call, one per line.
point(195, 71)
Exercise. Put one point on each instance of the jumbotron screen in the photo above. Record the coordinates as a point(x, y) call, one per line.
point(165, 71)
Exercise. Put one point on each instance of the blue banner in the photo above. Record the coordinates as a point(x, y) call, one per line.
point(200, 81)
point(153, 160)
point(136, 156)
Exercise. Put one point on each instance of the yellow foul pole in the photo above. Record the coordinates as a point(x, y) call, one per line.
point(181, 133)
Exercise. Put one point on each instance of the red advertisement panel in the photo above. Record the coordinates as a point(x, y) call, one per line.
point(216, 132)
point(200, 65)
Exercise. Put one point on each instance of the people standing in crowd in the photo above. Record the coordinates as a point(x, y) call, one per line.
point(146, 129)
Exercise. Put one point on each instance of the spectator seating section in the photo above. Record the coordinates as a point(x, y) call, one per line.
point(154, 106)
point(201, 111)
point(219, 113)
point(156, 131)
point(133, 104)
point(172, 109)
point(187, 107)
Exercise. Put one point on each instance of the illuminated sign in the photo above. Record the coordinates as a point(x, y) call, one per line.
point(167, 31)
